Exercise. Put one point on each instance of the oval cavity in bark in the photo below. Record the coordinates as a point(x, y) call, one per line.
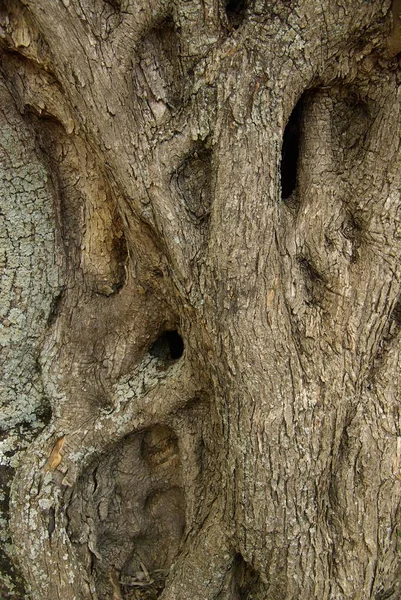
point(168, 346)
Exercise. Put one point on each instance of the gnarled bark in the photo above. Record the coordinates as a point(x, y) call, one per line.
point(221, 360)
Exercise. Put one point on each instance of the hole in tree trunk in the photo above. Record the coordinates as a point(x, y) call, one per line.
point(116, 4)
point(235, 11)
point(290, 151)
point(128, 534)
point(169, 346)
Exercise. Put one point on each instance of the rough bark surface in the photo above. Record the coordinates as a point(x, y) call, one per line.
point(200, 316)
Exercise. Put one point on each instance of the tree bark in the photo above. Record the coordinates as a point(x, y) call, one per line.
point(202, 299)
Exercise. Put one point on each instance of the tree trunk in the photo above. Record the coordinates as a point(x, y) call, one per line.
point(201, 305)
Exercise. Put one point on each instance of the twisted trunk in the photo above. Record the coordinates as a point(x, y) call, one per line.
point(219, 344)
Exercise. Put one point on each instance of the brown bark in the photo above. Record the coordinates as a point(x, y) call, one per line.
point(224, 176)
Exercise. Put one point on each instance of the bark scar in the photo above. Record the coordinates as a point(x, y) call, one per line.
point(55, 457)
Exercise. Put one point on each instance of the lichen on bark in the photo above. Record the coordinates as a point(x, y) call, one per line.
point(30, 281)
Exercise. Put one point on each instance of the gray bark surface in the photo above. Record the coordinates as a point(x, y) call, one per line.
point(152, 197)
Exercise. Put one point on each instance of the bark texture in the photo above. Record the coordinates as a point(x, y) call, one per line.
point(201, 315)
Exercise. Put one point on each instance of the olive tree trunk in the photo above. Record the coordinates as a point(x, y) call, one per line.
point(200, 302)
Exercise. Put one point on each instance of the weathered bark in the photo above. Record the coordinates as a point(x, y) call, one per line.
point(213, 330)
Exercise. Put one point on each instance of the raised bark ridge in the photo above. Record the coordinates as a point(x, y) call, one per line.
point(261, 459)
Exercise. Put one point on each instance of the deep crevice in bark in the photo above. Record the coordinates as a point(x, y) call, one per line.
point(290, 151)
point(56, 307)
point(246, 579)
point(130, 533)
